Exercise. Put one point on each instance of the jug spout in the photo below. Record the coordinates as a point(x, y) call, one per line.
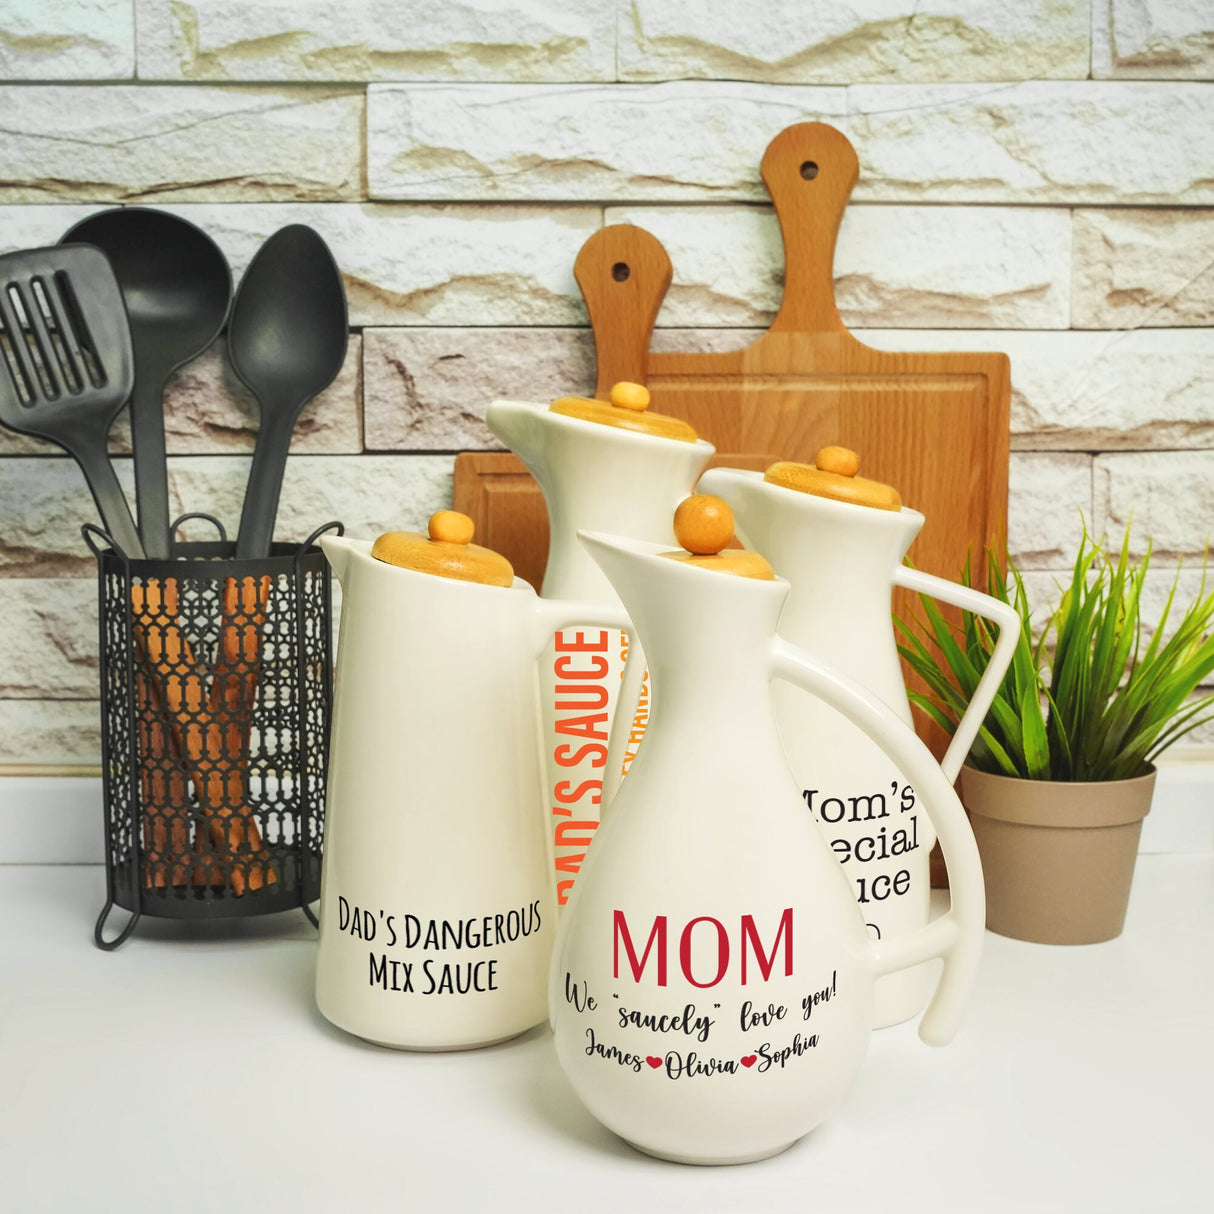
point(515, 423)
point(745, 493)
point(703, 620)
point(596, 478)
point(338, 551)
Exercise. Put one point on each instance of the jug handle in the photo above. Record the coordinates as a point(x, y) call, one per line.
point(1008, 619)
point(956, 937)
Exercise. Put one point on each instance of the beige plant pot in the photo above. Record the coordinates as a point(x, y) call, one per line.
point(1058, 857)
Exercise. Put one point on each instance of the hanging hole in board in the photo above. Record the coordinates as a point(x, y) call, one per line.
point(621, 271)
point(809, 169)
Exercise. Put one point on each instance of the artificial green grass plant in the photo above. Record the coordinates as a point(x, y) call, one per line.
point(1086, 700)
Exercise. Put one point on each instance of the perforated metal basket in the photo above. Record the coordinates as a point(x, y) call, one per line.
point(216, 687)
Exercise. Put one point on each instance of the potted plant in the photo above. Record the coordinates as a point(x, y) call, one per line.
point(1062, 773)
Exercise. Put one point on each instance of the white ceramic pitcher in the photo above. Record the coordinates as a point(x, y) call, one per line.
point(712, 983)
point(842, 561)
point(437, 916)
point(593, 476)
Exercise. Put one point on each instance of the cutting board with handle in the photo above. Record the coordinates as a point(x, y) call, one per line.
point(936, 426)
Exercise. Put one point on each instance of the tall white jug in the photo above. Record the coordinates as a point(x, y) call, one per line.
point(842, 561)
point(437, 916)
point(599, 465)
point(712, 983)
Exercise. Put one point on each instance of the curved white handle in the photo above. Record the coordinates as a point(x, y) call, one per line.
point(991, 609)
point(956, 936)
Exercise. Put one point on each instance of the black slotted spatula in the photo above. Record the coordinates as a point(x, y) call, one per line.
point(67, 367)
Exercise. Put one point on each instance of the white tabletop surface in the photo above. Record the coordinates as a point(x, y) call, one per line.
point(190, 1071)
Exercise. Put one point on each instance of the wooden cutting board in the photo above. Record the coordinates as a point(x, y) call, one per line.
point(933, 425)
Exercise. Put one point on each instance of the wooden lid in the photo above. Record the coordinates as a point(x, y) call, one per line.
point(447, 551)
point(626, 411)
point(833, 475)
point(703, 524)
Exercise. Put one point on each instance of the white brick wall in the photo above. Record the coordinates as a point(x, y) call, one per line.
point(1036, 177)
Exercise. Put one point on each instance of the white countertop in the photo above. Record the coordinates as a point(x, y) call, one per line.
point(190, 1071)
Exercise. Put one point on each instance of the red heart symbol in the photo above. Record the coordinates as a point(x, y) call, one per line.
point(750, 1060)
point(653, 1062)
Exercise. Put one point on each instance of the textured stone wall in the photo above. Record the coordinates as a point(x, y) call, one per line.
point(1036, 177)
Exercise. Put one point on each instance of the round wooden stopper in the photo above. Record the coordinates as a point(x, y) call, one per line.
point(703, 523)
point(626, 395)
point(451, 527)
point(739, 562)
point(839, 460)
point(805, 478)
point(445, 552)
point(625, 417)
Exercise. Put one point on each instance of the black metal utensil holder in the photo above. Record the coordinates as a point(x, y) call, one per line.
point(216, 689)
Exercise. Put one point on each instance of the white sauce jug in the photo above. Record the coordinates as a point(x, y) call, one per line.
point(842, 561)
point(712, 983)
point(437, 916)
point(594, 475)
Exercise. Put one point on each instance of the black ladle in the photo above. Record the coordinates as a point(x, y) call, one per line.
point(287, 340)
point(177, 287)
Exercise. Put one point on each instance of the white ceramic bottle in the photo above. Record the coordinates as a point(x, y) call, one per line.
point(436, 916)
point(842, 560)
point(712, 983)
point(599, 465)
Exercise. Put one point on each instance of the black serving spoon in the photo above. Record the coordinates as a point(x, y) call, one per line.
point(287, 340)
point(177, 288)
point(65, 365)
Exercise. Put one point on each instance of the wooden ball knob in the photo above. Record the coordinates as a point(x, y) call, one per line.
point(630, 396)
point(703, 524)
point(451, 527)
point(839, 460)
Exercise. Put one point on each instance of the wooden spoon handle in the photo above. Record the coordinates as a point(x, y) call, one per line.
point(162, 790)
point(809, 170)
point(179, 683)
point(624, 274)
point(160, 695)
point(234, 687)
point(231, 828)
point(207, 736)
